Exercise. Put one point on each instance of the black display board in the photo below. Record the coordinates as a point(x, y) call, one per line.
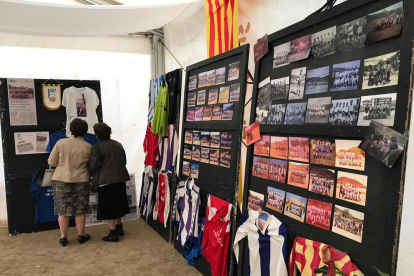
point(19, 169)
point(217, 180)
point(382, 211)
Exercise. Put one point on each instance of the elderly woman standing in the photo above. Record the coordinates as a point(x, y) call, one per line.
point(71, 180)
point(108, 163)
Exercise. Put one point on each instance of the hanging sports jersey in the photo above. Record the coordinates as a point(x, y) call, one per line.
point(173, 79)
point(186, 209)
point(44, 202)
point(267, 244)
point(168, 149)
point(216, 237)
point(192, 249)
point(152, 96)
point(160, 121)
point(150, 147)
point(162, 202)
point(145, 202)
point(307, 255)
point(61, 134)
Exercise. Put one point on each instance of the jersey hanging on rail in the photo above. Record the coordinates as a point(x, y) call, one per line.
point(267, 238)
point(186, 209)
point(216, 237)
point(162, 202)
point(168, 149)
point(145, 202)
point(80, 103)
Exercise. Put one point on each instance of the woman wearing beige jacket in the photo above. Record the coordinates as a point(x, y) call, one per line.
point(71, 180)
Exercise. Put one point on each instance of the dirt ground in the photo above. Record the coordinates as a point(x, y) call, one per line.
point(140, 252)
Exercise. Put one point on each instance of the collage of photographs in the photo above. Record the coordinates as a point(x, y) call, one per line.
point(212, 148)
point(296, 161)
point(374, 72)
point(214, 104)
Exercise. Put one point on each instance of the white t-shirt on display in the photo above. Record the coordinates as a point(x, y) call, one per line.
point(80, 103)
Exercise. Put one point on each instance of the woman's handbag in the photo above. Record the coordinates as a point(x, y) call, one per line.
point(95, 177)
point(47, 178)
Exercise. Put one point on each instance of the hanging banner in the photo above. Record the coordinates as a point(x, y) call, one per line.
point(222, 26)
point(51, 96)
point(22, 102)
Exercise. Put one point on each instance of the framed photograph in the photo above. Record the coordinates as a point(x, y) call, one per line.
point(279, 147)
point(196, 138)
point(260, 167)
point(208, 111)
point(317, 80)
point(351, 35)
point(275, 199)
point(297, 83)
point(225, 141)
point(214, 156)
point(213, 96)
point(323, 42)
point(225, 158)
point(276, 115)
point(345, 76)
point(221, 75)
point(224, 94)
point(344, 112)
point(279, 89)
point(299, 149)
point(322, 151)
point(348, 223)
point(383, 143)
point(195, 154)
point(262, 147)
point(317, 111)
point(277, 170)
point(298, 175)
point(195, 170)
point(215, 139)
point(234, 71)
point(205, 155)
point(281, 55)
point(211, 78)
point(300, 48)
point(199, 113)
point(235, 92)
point(186, 168)
point(295, 207)
point(191, 99)
point(318, 213)
point(381, 71)
point(295, 113)
point(255, 201)
point(380, 108)
point(349, 156)
point(384, 23)
point(201, 97)
point(321, 181)
point(217, 112)
point(188, 137)
point(352, 187)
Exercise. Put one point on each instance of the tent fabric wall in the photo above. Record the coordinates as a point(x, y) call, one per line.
point(124, 73)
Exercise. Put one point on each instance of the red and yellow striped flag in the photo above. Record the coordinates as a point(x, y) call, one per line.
point(222, 25)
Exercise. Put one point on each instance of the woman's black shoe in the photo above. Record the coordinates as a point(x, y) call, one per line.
point(120, 230)
point(112, 237)
point(83, 239)
point(63, 241)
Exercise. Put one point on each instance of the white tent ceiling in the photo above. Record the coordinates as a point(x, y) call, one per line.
point(46, 19)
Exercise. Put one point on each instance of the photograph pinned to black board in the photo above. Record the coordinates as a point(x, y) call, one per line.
point(208, 110)
point(214, 156)
point(228, 110)
point(186, 168)
point(195, 170)
point(213, 96)
point(221, 75)
point(351, 35)
point(279, 89)
point(276, 114)
point(215, 139)
point(281, 55)
point(345, 76)
point(385, 23)
point(196, 138)
point(255, 201)
point(263, 101)
point(224, 94)
point(348, 223)
point(217, 112)
point(295, 113)
point(297, 83)
point(199, 113)
point(225, 158)
point(380, 108)
point(317, 111)
point(235, 92)
point(261, 48)
point(233, 71)
point(196, 152)
point(187, 151)
point(211, 77)
point(383, 143)
point(201, 97)
point(323, 42)
point(192, 83)
point(202, 80)
point(191, 100)
point(205, 139)
point(317, 80)
point(225, 141)
point(344, 112)
point(188, 137)
point(205, 155)
point(381, 71)
point(190, 114)
point(300, 48)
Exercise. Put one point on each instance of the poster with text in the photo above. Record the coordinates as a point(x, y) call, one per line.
point(31, 142)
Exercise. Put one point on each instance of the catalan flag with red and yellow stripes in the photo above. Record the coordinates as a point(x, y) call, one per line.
point(222, 26)
point(307, 255)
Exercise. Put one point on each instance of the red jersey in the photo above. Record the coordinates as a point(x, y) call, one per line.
point(216, 237)
point(162, 203)
point(150, 147)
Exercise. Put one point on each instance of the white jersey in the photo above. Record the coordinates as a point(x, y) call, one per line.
point(267, 247)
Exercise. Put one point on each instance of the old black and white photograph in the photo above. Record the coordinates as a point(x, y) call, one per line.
point(276, 115)
point(228, 110)
point(323, 42)
point(279, 89)
point(235, 92)
point(263, 101)
point(380, 108)
point(344, 112)
point(345, 76)
point(297, 83)
point(233, 71)
point(192, 83)
point(381, 71)
point(317, 111)
point(384, 23)
point(383, 143)
point(351, 35)
point(225, 141)
point(261, 48)
point(281, 55)
point(317, 80)
point(295, 113)
point(191, 99)
point(300, 48)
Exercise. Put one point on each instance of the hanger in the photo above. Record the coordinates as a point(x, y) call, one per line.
point(52, 79)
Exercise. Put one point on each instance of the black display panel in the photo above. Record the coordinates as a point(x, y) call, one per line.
point(213, 178)
point(19, 169)
point(382, 210)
